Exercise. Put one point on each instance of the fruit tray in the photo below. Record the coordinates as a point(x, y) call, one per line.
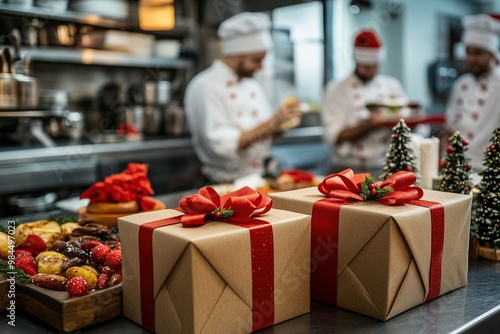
point(59, 310)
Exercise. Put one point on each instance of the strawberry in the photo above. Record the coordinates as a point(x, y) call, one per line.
point(114, 259)
point(34, 244)
point(76, 286)
point(106, 270)
point(26, 264)
point(103, 280)
point(98, 253)
point(89, 245)
point(21, 252)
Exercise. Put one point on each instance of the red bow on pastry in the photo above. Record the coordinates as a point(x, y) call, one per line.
point(238, 206)
point(130, 185)
point(396, 189)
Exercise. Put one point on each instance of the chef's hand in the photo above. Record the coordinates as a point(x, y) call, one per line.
point(377, 118)
point(287, 116)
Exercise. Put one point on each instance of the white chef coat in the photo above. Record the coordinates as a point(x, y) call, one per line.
point(219, 107)
point(474, 110)
point(344, 107)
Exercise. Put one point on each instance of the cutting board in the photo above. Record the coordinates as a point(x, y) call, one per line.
point(66, 313)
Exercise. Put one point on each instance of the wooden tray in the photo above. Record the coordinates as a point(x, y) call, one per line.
point(67, 314)
point(4, 288)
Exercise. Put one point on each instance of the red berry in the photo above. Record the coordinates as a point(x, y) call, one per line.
point(34, 244)
point(409, 168)
point(449, 149)
point(106, 270)
point(371, 186)
point(76, 286)
point(103, 280)
point(20, 253)
point(468, 167)
point(465, 142)
point(27, 264)
point(217, 214)
point(98, 253)
point(395, 136)
point(492, 148)
point(373, 192)
point(442, 164)
point(88, 245)
point(114, 259)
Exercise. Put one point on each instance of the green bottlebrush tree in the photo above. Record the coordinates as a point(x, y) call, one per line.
point(488, 198)
point(455, 169)
point(400, 156)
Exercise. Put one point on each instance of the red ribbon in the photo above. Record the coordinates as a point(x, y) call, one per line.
point(245, 203)
point(344, 188)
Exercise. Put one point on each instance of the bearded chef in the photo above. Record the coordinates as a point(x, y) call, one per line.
point(474, 104)
point(358, 137)
point(231, 120)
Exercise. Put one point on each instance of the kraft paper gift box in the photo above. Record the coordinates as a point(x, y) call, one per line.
point(385, 253)
point(203, 275)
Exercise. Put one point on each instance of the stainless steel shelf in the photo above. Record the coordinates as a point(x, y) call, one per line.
point(184, 26)
point(102, 57)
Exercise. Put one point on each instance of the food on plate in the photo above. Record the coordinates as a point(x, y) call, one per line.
point(89, 253)
point(4, 245)
point(48, 231)
point(119, 195)
point(293, 178)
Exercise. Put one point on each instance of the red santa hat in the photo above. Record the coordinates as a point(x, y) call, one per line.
point(482, 31)
point(368, 48)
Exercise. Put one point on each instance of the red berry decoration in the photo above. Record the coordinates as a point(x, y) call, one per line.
point(371, 186)
point(114, 259)
point(442, 164)
point(89, 245)
point(468, 167)
point(34, 244)
point(465, 142)
point(373, 192)
point(409, 169)
point(395, 136)
point(449, 149)
point(27, 264)
point(492, 148)
point(218, 214)
point(76, 286)
point(98, 253)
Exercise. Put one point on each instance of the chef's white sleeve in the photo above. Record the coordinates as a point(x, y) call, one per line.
point(334, 113)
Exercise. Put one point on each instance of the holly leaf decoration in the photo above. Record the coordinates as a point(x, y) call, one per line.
point(369, 190)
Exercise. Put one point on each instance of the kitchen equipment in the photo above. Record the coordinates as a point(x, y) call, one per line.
point(60, 35)
point(54, 5)
point(18, 92)
point(175, 122)
point(53, 99)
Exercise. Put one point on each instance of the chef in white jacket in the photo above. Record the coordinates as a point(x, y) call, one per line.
point(474, 104)
point(230, 118)
point(358, 137)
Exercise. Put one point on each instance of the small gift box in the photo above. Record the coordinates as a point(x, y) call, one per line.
point(382, 257)
point(227, 264)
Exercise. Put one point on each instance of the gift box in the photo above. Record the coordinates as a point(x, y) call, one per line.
point(380, 260)
point(220, 277)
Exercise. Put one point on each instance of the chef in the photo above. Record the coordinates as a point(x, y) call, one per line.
point(358, 137)
point(231, 120)
point(474, 103)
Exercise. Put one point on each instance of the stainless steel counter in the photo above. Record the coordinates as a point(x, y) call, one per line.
point(472, 309)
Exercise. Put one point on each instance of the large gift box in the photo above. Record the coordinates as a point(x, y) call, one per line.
point(189, 271)
point(378, 259)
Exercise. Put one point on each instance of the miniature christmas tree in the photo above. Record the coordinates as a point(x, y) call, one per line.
point(488, 198)
point(400, 156)
point(455, 169)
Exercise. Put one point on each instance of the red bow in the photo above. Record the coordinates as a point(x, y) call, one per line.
point(348, 186)
point(237, 207)
point(130, 185)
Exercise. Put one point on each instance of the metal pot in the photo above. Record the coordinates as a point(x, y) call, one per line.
point(18, 91)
